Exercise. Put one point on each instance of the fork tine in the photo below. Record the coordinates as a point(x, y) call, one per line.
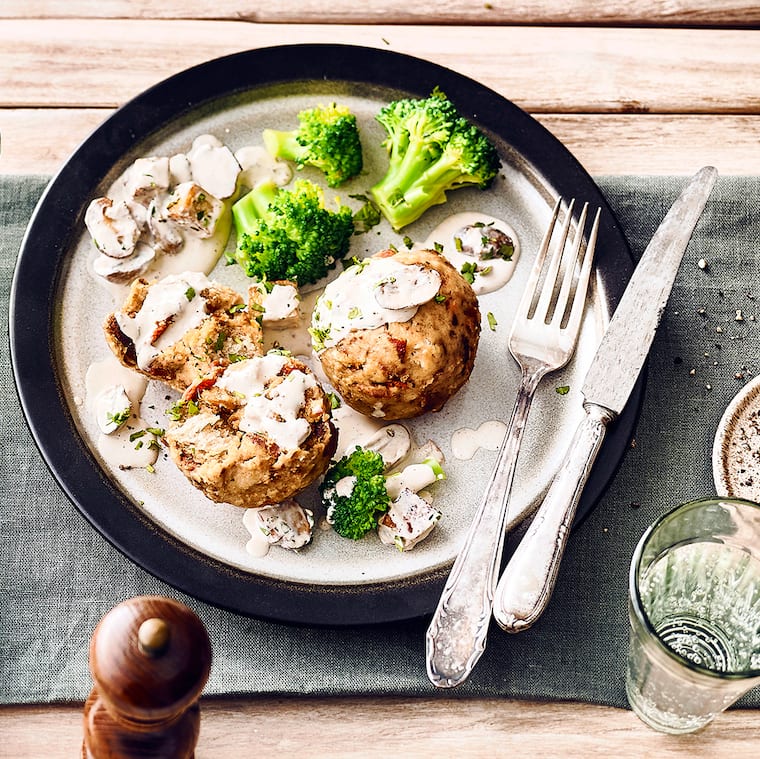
point(550, 282)
point(529, 293)
point(563, 299)
point(579, 301)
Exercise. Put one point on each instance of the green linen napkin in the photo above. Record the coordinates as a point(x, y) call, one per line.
point(58, 576)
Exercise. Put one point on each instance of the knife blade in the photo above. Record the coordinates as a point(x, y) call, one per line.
point(528, 580)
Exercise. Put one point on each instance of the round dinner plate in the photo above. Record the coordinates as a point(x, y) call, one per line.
point(158, 519)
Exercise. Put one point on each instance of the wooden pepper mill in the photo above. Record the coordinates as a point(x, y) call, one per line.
point(150, 658)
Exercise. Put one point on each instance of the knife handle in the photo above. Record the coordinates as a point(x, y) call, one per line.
point(525, 587)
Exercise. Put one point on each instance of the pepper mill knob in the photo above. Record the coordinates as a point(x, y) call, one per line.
point(150, 658)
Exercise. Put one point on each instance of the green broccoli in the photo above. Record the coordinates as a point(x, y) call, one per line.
point(288, 233)
point(431, 149)
point(354, 514)
point(327, 139)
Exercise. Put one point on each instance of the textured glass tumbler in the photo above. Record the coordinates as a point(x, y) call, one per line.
point(694, 611)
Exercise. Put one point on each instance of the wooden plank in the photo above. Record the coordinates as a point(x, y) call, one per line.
point(604, 144)
point(431, 727)
point(102, 63)
point(738, 13)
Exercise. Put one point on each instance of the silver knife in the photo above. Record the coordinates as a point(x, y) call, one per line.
point(528, 580)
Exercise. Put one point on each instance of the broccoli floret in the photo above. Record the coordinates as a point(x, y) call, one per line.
point(431, 149)
point(355, 509)
point(327, 139)
point(288, 233)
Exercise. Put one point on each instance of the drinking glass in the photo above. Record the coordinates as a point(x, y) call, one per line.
point(694, 611)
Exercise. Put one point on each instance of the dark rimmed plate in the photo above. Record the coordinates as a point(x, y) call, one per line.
point(235, 95)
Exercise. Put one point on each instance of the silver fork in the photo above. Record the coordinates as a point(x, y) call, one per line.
point(542, 340)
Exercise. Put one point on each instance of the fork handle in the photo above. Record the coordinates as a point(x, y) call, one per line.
point(528, 580)
point(457, 634)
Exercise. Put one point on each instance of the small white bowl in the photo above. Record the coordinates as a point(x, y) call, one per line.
point(736, 449)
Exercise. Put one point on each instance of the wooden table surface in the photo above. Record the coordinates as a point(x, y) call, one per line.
point(648, 87)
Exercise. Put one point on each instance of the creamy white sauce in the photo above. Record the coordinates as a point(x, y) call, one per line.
point(176, 302)
point(413, 477)
point(297, 339)
point(258, 165)
point(350, 302)
point(272, 411)
point(465, 442)
point(393, 442)
point(117, 448)
point(257, 545)
point(280, 305)
point(353, 429)
point(495, 272)
point(112, 407)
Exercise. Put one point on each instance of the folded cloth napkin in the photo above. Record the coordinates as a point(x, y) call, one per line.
point(58, 576)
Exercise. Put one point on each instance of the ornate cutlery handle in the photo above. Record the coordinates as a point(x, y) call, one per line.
point(457, 634)
point(525, 587)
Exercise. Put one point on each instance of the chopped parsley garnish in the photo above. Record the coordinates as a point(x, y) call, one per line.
point(236, 308)
point(438, 247)
point(334, 400)
point(468, 271)
point(220, 338)
point(563, 389)
point(439, 298)
point(491, 321)
point(318, 337)
point(408, 242)
point(360, 263)
point(182, 408)
point(190, 293)
point(120, 417)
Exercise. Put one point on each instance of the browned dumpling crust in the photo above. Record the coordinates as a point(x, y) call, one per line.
point(234, 460)
point(226, 331)
point(403, 369)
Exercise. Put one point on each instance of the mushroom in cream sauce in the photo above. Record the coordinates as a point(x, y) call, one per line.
point(168, 214)
point(286, 524)
point(482, 248)
point(367, 295)
point(408, 521)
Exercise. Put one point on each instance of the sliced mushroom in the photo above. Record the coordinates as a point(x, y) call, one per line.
point(121, 271)
point(409, 286)
point(179, 169)
point(214, 167)
point(166, 237)
point(287, 524)
point(147, 178)
point(112, 227)
point(409, 520)
point(484, 242)
point(193, 208)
